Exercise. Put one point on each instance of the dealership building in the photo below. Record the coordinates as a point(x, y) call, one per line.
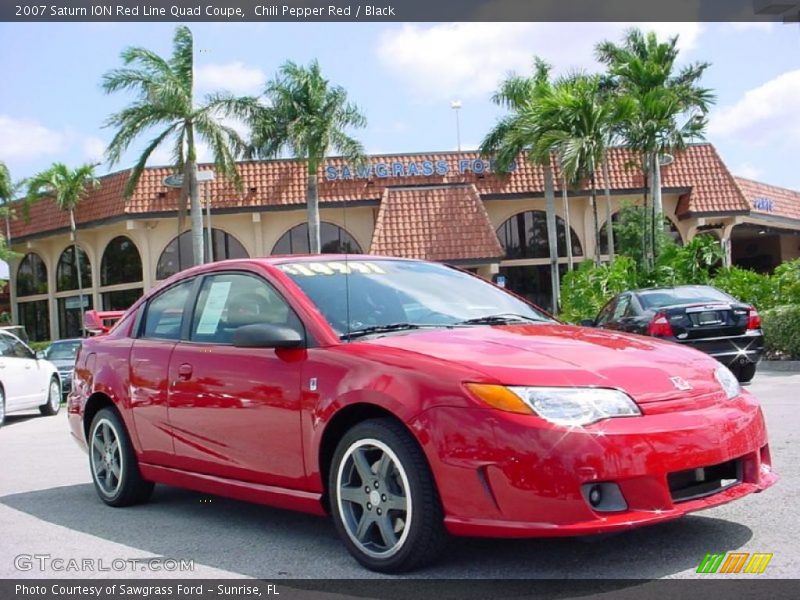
point(448, 207)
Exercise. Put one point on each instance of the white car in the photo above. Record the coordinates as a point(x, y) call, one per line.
point(26, 382)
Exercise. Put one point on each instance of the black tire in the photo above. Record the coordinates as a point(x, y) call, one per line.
point(2, 406)
point(745, 373)
point(127, 487)
point(421, 537)
point(53, 404)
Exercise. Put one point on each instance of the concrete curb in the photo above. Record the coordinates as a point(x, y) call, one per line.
point(782, 366)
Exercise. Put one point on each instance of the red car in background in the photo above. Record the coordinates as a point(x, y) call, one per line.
point(409, 400)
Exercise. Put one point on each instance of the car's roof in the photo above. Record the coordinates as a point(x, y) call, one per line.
point(673, 287)
point(284, 258)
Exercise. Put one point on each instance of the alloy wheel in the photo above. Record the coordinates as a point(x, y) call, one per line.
point(55, 395)
point(106, 457)
point(374, 498)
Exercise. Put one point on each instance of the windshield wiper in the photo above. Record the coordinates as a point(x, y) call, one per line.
point(501, 319)
point(383, 329)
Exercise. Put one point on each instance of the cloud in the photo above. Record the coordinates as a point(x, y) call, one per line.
point(94, 148)
point(763, 114)
point(454, 60)
point(235, 77)
point(749, 171)
point(26, 139)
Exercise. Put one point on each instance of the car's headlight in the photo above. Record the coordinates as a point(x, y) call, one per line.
point(562, 406)
point(728, 381)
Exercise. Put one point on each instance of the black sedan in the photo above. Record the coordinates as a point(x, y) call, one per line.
point(699, 316)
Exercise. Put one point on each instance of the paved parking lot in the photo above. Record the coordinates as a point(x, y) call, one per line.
point(48, 507)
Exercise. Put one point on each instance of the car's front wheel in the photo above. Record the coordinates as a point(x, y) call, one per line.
point(50, 408)
point(115, 470)
point(383, 498)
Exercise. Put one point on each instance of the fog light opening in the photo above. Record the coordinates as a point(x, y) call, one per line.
point(595, 495)
point(604, 497)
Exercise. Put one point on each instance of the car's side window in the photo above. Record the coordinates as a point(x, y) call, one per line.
point(621, 309)
point(606, 312)
point(231, 300)
point(165, 313)
point(5, 346)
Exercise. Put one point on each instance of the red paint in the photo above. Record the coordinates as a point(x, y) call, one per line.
point(246, 423)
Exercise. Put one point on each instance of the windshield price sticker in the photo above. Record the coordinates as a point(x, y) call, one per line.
point(309, 269)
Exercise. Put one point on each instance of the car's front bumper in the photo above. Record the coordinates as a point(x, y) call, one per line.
point(506, 475)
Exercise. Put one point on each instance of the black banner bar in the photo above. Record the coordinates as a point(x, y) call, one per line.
point(400, 10)
point(733, 587)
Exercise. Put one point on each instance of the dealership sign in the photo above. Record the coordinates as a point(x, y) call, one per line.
point(765, 204)
point(409, 168)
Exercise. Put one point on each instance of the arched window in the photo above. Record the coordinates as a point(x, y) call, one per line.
point(669, 228)
point(121, 262)
point(333, 240)
point(525, 236)
point(67, 271)
point(177, 256)
point(31, 276)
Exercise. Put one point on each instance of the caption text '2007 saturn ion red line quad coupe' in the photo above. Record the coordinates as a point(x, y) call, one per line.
point(409, 400)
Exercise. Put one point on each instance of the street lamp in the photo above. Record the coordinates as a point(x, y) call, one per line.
point(456, 106)
point(176, 181)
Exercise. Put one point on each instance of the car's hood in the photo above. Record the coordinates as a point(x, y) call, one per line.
point(560, 355)
point(63, 365)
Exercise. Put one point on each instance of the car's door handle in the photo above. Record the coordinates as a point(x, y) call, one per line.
point(185, 372)
point(2, 365)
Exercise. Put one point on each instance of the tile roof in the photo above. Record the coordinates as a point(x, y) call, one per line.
point(770, 199)
point(708, 185)
point(435, 223)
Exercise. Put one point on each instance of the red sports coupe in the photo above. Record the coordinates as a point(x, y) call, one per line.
point(409, 400)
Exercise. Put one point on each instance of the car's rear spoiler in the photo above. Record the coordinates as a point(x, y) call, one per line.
point(98, 322)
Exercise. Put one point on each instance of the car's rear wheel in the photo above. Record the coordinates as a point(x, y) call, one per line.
point(383, 498)
point(746, 372)
point(115, 470)
point(2, 407)
point(50, 408)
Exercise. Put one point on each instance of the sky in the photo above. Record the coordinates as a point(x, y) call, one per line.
point(402, 76)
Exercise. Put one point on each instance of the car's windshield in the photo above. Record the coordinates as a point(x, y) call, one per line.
point(368, 295)
point(683, 295)
point(62, 351)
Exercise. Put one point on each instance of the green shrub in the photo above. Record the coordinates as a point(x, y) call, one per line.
point(787, 282)
point(747, 286)
point(585, 290)
point(781, 326)
point(693, 263)
point(37, 346)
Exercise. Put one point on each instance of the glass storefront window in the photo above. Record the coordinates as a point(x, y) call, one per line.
point(525, 236)
point(532, 282)
point(31, 276)
point(35, 317)
point(178, 255)
point(67, 271)
point(70, 315)
point(121, 299)
point(121, 262)
point(333, 240)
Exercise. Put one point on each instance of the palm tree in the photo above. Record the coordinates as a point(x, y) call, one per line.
point(166, 100)
point(581, 120)
point(67, 187)
point(8, 192)
point(309, 118)
point(521, 131)
point(670, 107)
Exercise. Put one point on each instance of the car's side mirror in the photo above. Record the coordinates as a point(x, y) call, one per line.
point(263, 335)
point(587, 323)
point(40, 354)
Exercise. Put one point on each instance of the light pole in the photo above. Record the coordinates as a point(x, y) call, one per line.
point(456, 106)
point(203, 177)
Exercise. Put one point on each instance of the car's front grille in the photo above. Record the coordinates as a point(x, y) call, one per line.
point(704, 481)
